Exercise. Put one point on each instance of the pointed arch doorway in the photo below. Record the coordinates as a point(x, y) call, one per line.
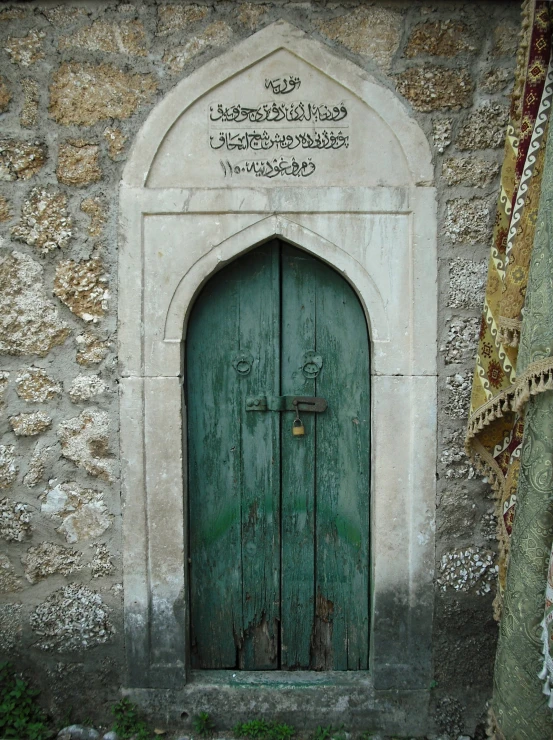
point(369, 211)
point(279, 522)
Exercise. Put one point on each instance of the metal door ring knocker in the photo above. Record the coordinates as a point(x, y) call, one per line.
point(242, 363)
point(311, 364)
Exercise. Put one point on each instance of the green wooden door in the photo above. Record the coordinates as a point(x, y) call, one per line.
point(278, 525)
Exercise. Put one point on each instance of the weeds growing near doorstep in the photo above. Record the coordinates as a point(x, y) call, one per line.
point(323, 733)
point(127, 721)
point(21, 718)
point(259, 729)
point(203, 724)
point(335, 733)
point(20, 715)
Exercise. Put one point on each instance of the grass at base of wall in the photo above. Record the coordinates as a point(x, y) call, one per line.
point(20, 715)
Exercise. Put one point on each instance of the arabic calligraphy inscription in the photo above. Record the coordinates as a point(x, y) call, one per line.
point(279, 125)
point(283, 85)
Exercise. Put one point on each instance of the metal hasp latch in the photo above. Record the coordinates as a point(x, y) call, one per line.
point(286, 403)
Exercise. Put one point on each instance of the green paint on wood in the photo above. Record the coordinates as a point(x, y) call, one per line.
point(342, 478)
point(298, 457)
point(279, 541)
point(259, 335)
point(215, 473)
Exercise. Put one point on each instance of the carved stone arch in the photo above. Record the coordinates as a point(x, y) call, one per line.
point(278, 36)
point(298, 236)
point(368, 210)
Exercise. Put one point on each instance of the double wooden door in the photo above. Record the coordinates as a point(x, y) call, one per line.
point(278, 524)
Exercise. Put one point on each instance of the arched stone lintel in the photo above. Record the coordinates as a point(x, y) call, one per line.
point(383, 240)
point(299, 236)
point(279, 35)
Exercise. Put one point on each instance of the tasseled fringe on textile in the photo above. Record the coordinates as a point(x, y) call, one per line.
point(536, 379)
point(490, 411)
point(544, 674)
point(492, 730)
point(485, 470)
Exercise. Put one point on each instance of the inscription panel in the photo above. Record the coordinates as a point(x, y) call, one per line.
point(277, 126)
point(279, 122)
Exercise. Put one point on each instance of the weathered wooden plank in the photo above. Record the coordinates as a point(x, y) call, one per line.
point(247, 554)
point(260, 337)
point(341, 627)
point(215, 473)
point(298, 457)
point(233, 352)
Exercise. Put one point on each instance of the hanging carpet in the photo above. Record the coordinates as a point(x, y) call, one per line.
point(495, 429)
point(519, 707)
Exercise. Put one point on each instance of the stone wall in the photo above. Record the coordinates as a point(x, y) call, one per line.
point(76, 82)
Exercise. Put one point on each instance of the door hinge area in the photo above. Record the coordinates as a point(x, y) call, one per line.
point(286, 403)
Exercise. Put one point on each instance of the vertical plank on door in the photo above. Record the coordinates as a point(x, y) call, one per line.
point(260, 336)
point(214, 454)
point(341, 629)
point(298, 461)
point(234, 469)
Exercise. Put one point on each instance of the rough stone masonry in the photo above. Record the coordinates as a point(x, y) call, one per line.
point(76, 82)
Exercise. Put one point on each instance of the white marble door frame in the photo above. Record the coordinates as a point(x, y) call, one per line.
point(382, 239)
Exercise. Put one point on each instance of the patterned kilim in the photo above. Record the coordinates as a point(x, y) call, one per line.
point(519, 707)
point(495, 431)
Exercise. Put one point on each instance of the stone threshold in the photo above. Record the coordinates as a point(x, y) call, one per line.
point(303, 699)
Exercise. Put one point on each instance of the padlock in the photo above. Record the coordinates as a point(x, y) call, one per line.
point(298, 430)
